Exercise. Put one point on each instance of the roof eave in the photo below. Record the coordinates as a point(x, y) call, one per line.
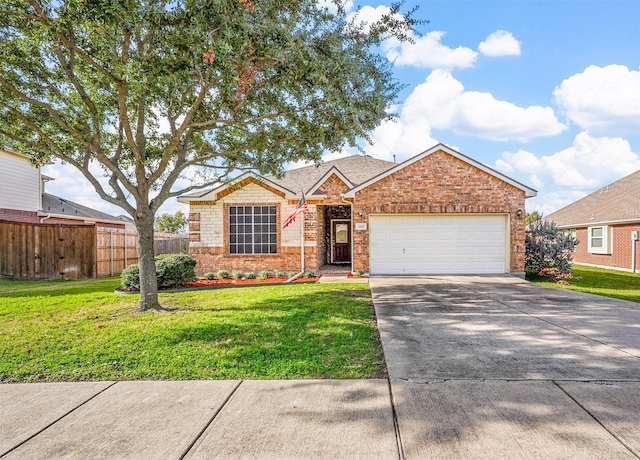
point(203, 197)
point(529, 192)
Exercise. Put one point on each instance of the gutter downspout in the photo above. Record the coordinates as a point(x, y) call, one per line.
point(633, 255)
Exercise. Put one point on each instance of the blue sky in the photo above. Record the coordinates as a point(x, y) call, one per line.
point(546, 92)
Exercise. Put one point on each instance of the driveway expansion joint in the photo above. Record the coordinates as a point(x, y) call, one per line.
point(604, 426)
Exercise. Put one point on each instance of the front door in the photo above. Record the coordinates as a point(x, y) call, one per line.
point(340, 241)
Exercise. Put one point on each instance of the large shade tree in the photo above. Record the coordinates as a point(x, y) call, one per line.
point(148, 90)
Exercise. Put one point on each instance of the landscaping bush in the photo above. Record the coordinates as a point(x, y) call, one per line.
point(264, 274)
point(309, 274)
point(130, 278)
point(548, 250)
point(171, 270)
point(210, 275)
point(236, 274)
point(250, 275)
point(175, 269)
point(223, 274)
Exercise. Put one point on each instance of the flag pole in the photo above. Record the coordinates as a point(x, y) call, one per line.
point(302, 243)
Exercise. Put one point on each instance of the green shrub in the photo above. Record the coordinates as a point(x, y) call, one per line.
point(277, 274)
point(236, 274)
point(291, 274)
point(130, 278)
point(250, 275)
point(264, 274)
point(171, 270)
point(223, 274)
point(175, 269)
point(210, 275)
point(309, 274)
point(358, 273)
point(548, 250)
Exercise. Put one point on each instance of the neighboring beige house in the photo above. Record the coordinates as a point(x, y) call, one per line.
point(438, 212)
point(23, 197)
point(606, 224)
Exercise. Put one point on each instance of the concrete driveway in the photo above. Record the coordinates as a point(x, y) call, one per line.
point(496, 367)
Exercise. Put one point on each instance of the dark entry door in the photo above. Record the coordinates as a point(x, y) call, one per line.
point(341, 238)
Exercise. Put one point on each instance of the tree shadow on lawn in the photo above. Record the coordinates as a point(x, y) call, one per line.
point(310, 335)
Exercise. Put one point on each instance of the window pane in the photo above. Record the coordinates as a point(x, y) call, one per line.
point(596, 231)
point(596, 243)
point(232, 210)
point(272, 249)
point(248, 210)
point(232, 249)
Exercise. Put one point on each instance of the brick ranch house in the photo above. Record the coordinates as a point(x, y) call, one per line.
point(438, 212)
point(606, 224)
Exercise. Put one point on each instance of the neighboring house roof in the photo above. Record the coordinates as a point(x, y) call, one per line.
point(528, 191)
point(616, 203)
point(59, 207)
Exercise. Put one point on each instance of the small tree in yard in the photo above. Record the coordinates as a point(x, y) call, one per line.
point(548, 250)
point(168, 223)
point(144, 91)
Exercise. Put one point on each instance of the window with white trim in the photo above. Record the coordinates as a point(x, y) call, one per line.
point(599, 239)
point(253, 230)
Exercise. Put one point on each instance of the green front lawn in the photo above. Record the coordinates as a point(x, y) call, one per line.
point(609, 283)
point(81, 330)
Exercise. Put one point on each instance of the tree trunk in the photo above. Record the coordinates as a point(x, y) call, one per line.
point(147, 264)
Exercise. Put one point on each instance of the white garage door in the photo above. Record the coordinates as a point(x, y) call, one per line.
point(427, 244)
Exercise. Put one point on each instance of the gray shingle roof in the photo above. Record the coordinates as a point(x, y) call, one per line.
point(357, 169)
point(619, 201)
point(56, 205)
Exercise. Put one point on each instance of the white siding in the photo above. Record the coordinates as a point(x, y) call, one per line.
point(19, 183)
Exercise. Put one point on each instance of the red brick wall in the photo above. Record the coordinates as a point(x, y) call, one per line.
point(621, 248)
point(440, 184)
point(332, 188)
point(212, 259)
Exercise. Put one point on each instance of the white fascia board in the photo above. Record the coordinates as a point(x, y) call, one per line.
point(324, 178)
point(210, 195)
point(598, 224)
point(529, 192)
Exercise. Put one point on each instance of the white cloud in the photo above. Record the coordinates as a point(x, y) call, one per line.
point(444, 102)
point(428, 51)
point(500, 43)
point(331, 5)
point(591, 162)
point(604, 100)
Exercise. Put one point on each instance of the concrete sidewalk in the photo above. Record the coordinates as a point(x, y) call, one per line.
point(300, 419)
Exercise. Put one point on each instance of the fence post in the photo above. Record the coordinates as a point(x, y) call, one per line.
point(110, 252)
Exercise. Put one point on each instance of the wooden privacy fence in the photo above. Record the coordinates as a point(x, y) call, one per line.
point(55, 251)
point(47, 251)
point(116, 248)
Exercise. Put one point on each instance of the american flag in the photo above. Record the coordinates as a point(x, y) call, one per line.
point(300, 207)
